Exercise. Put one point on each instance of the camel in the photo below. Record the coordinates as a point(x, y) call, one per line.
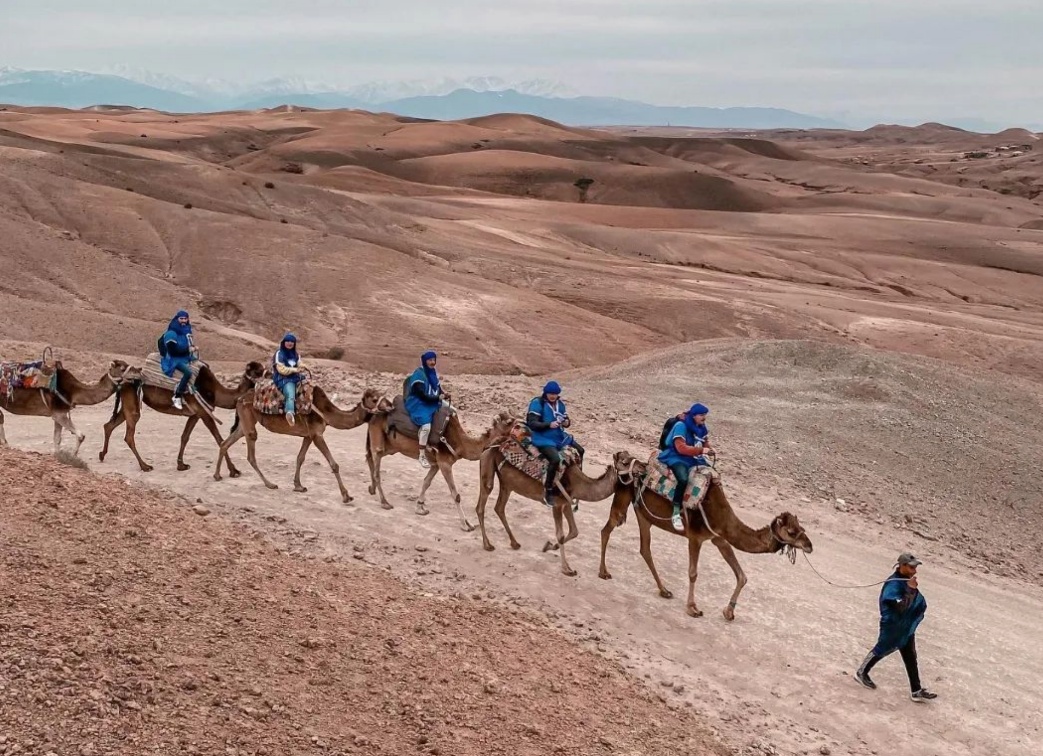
point(578, 485)
point(309, 426)
point(128, 409)
point(381, 443)
point(70, 393)
point(724, 529)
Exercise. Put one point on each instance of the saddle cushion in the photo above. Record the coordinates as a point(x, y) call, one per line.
point(269, 400)
point(26, 375)
point(399, 420)
point(152, 373)
point(527, 458)
point(661, 480)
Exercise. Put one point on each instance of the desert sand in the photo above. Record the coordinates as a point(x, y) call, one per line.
point(868, 333)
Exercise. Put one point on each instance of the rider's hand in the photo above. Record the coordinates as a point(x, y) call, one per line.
point(555, 424)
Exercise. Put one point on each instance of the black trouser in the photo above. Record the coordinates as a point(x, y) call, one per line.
point(553, 457)
point(681, 472)
point(908, 652)
point(186, 376)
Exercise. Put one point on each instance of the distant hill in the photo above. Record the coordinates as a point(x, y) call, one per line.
point(77, 89)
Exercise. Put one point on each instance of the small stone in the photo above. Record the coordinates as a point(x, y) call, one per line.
point(824, 750)
point(200, 510)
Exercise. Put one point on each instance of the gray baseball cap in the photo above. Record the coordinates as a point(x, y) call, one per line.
point(909, 559)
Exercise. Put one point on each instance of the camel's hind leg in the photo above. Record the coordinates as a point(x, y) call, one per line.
point(740, 577)
point(3, 436)
point(570, 517)
point(224, 446)
point(63, 420)
point(501, 511)
point(646, 551)
point(694, 545)
point(305, 445)
point(211, 425)
point(559, 531)
point(446, 466)
point(421, 507)
point(486, 480)
point(375, 451)
point(132, 416)
point(616, 517)
point(110, 426)
point(251, 457)
point(320, 444)
point(186, 434)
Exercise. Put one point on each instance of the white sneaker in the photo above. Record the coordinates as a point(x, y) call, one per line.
point(423, 459)
point(678, 522)
point(178, 404)
point(290, 418)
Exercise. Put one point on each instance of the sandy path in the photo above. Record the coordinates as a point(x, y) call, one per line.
point(779, 677)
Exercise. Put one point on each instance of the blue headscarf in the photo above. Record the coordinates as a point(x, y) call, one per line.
point(432, 375)
point(288, 356)
point(180, 330)
point(689, 417)
point(552, 387)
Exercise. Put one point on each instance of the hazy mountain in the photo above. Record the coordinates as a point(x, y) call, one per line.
point(76, 89)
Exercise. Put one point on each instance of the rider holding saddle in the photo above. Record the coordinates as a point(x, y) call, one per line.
point(547, 419)
point(687, 442)
point(178, 351)
point(287, 375)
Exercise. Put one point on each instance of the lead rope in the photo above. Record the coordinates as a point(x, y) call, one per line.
point(838, 585)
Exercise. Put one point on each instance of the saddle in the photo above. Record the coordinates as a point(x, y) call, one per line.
point(659, 479)
point(399, 421)
point(269, 399)
point(27, 375)
point(523, 456)
point(152, 373)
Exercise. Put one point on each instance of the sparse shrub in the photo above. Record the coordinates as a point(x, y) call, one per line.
point(66, 457)
point(188, 205)
point(292, 168)
point(269, 185)
point(335, 353)
point(283, 220)
point(583, 184)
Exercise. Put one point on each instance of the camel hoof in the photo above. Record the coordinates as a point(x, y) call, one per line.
point(467, 527)
point(488, 547)
point(457, 499)
point(385, 505)
point(693, 611)
point(217, 476)
point(422, 510)
point(101, 455)
point(347, 499)
point(181, 467)
point(605, 575)
point(234, 473)
point(299, 488)
point(271, 486)
point(666, 594)
point(146, 468)
point(372, 490)
point(729, 613)
point(515, 545)
point(549, 546)
point(569, 572)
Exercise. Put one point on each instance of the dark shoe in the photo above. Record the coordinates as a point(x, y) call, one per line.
point(548, 499)
point(923, 695)
point(863, 679)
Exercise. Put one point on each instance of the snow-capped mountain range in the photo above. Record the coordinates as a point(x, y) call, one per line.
point(443, 98)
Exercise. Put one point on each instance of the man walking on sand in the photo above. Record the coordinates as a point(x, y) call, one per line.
point(902, 609)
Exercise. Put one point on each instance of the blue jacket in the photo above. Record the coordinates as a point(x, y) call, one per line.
point(423, 402)
point(693, 435)
point(540, 415)
point(179, 352)
point(902, 610)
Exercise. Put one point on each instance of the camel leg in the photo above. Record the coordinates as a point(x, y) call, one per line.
point(501, 512)
point(320, 444)
point(646, 551)
point(110, 426)
point(616, 517)
point(486, 478)
point(305, 445)
point(570, 517)
point(63, 421)
point(559, 532)
point(3, 436)
point(224, 446)
point(447, 473)
point(384, 503)
point(740, 577)
point(211, 426)
point(132, 417)
point(186, 434)
point(57, 433)
point(694, 545)
point(421, 508)
point(251, 457)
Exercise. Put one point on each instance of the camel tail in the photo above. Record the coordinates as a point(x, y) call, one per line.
point(116, 407)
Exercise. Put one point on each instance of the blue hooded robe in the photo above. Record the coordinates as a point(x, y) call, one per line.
point(897, 627)
point(177, 336)
point(289, 358)
point(422, 409)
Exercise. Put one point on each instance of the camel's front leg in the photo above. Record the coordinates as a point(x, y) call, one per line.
point(251, 457)
point(320, 444)
point(301, 455)
point(186, 434)
point(646, 552)
point(110, 426)
point(222, 449)
point(616, 517)
point(421, 508)
point(501, 512)
point(559, 532)
point(378, 454)
point(3, 436)
point(694, 545)
point(211, 426)
point(486, 477)
point(62, 419)
point(740, 577)
point(446, 466)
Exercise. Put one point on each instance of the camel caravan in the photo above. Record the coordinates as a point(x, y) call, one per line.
point(677, 489)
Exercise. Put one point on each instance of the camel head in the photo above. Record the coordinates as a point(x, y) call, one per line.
point(375, 402)
point(627, 467)
point(119, 372)
point(254, 371)
point(502, 425)
point(787, 529)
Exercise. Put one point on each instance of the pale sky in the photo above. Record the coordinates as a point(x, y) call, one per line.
point(886, 59)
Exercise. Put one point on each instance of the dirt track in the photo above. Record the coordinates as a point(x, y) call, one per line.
point(779, 676)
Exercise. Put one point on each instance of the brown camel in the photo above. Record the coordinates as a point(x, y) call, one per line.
point(128, 409)
point(70, 393)
point(381, 443)
point(578, 485)
point(309, 426)
point(724, 530)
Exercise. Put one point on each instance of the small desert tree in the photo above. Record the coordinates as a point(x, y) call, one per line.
point(583, 184)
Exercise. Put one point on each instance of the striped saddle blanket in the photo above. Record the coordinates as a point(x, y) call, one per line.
point(661, 481)
point(268, 399)
point(152, 373)
point(527, 458)
point(26, 375)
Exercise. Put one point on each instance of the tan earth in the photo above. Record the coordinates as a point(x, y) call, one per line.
point(868, 334)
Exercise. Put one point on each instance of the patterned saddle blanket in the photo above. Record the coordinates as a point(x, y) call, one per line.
point(268, 399)
point(152, 373)
point(400, 422)
point(27, 375)
point(661, 481)
point(526, 457)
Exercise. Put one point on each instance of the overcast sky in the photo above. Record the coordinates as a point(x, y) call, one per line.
point(900, 59)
